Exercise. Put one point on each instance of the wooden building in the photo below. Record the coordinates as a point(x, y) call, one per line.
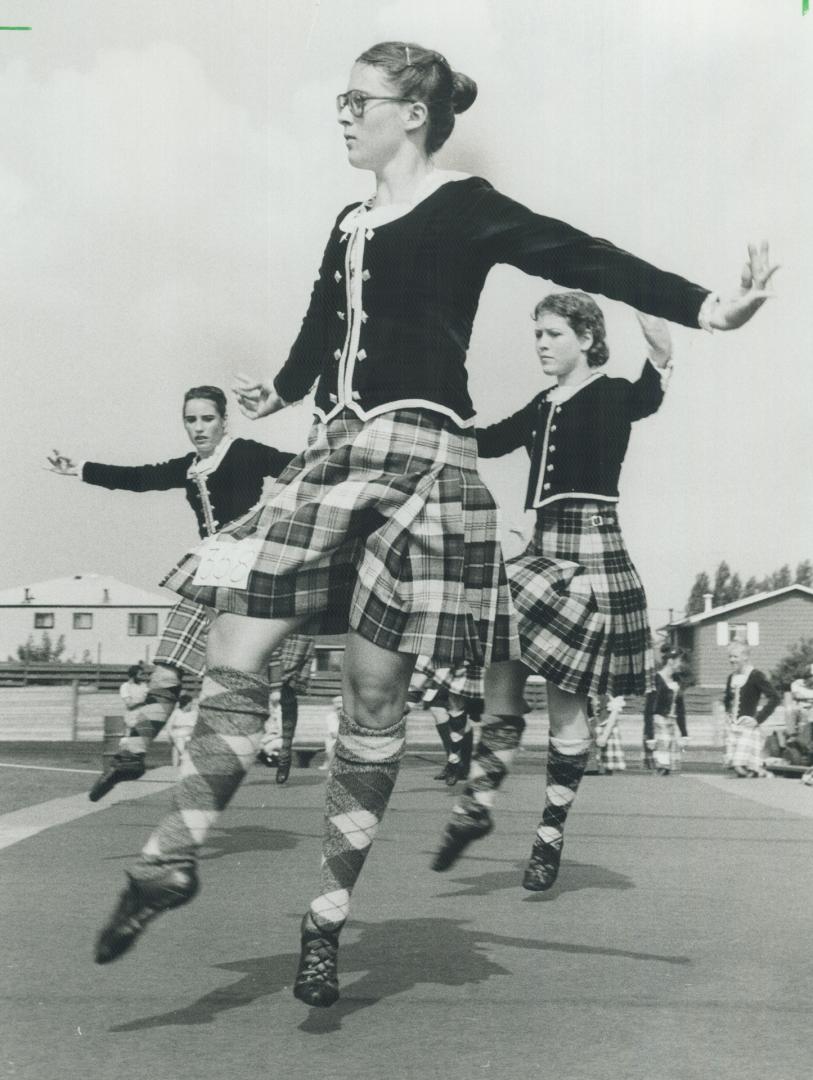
point(771, 623)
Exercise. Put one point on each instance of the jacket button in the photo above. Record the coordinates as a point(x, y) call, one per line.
point(337, 277)
point(337, 354)
point(551, 449)
point(356, 396)
point(365, 275)
point(361, 354)
point(550, 468)
point(546, 487)
point(333, 398)
point(364, 316)
point(369, 234)
point(558, 408)
point(553, 427)
point(341, 315)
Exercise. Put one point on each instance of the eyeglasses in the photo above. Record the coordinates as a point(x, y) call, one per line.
point(356, 101)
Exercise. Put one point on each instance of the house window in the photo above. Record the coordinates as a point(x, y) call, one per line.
point(746, 633)
point(43, 620)
point(139, 625)
point(327, 660)
point(82, 620)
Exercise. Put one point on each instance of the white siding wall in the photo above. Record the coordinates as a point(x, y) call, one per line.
point(109, 633)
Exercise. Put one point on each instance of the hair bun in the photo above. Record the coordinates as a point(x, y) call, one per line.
point(464, 91)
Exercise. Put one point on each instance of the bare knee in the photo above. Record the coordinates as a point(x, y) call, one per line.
point(504, 688)
point(372, 700)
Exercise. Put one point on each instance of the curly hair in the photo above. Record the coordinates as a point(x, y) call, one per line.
point(424, 75)
point(584, 316)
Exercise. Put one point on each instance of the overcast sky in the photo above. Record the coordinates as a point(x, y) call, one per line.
point(169, 171)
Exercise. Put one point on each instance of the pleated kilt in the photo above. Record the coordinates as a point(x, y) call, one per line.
point(611, 756)
point(293, 661)
point(433, 685)
point(183, 641)
point(581, 607)
point(744, 747)
point(383, 527)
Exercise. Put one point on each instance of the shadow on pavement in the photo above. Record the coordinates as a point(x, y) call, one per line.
point(435, 952)
point(242, 838)
point(572, 878)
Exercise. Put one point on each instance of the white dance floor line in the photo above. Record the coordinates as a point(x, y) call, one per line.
point(22, 824)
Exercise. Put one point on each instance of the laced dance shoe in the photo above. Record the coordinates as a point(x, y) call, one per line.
point(457, 836)
point(283, 769)
point(317, 979)
point(543, 866)
point(125, 765)
point(141, 902)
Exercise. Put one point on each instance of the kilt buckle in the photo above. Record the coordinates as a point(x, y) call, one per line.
point(596, 519)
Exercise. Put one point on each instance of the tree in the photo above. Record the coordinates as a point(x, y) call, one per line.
point(46, 652)
point(804, 573)
point(751, 587)
point(696, 603)
point(796, 665)
point(781, 578)
point(721, 584)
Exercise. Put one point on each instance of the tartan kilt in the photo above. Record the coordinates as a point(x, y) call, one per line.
point(383, 527)
point(667, 753)
point(744, 748)
point(183, 641)
point(612, 756)
point(434, 684)
point(293, 662)
point(581, 607)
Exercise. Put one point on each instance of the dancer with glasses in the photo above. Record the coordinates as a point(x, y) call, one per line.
point(382, 527)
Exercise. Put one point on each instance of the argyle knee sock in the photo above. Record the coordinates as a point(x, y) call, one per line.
point(458, 726)
point(146, 722)
point(362, 776)
point(499, 740)
point(442, 728)
point(289, 712)
point(232, 711)
point(567, 760)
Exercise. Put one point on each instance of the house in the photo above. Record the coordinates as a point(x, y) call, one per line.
point(771, 623)
point(102, 620)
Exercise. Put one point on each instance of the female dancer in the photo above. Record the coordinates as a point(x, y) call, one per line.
point(222, 478)
point(581, 607)
point(665, 713)
point(604, 712)
point(744, 689)
point(454, 697)
point(382, 527)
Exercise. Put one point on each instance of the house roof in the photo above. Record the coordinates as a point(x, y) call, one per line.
point(746, 601)
point(83, 590)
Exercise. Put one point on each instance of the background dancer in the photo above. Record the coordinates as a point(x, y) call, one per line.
point(605, 714)
point(382, 527)
point(581, 607)
point(745, 687)
point(665, 714)
point(222, 478)
point(454, 697)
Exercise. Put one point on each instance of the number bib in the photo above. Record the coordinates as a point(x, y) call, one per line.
point(227, 563)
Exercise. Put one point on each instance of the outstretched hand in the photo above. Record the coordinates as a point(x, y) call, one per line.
point(256, 398)
point(658, 338)
point(62, 465)
point(734, 311)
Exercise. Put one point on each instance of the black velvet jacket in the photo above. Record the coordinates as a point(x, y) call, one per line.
point(659, 703)
point(421, 279)
point(217, 497)
point(576, 448)
point(756, 686)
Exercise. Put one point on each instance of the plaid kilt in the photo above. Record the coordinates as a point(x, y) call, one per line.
point(183, 642)
point(667, 753)
point(743, 748)
point(581, 608)
point(611, 756)
point(293, 662)
point(381, 526)
point(433, 685)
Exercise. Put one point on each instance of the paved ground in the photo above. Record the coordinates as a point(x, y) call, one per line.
point(676, 945)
